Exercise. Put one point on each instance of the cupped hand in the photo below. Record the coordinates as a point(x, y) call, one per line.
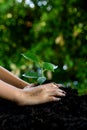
point(41, 94)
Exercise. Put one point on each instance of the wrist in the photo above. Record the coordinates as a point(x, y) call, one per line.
point(19, 96)
point(29, 86)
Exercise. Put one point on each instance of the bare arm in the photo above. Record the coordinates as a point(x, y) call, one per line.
point(30, 96)
point(9, 92)
point(12, 79)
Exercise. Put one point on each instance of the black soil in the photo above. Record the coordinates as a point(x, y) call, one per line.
point(68, 114)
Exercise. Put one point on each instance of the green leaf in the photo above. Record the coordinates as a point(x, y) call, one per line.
point(31, 56)
point(40, 80)
point(30, 75)
point(49, 66)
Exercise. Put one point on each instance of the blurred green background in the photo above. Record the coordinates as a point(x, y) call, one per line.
point(56, 30)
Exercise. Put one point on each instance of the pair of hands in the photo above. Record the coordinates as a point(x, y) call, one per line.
point(31, 95)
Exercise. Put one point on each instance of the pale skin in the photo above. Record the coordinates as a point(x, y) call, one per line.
point(22, 93)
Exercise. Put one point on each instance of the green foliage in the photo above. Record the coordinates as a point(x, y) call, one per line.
point(40, 65)
point(49, 66)
point(56, 30)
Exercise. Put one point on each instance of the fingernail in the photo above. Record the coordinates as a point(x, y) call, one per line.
point(58, 99)
point(64, 92)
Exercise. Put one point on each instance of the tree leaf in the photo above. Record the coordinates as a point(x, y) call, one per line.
point(40, 80)
point(49, 66)
point(30, 75)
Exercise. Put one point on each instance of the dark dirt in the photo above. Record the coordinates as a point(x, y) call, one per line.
point(70, 113)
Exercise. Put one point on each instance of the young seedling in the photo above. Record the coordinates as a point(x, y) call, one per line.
point(41, 68)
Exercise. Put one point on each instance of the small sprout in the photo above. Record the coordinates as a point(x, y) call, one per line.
point(40, 65)
point(31, 57)
point(30, 74)
point(49, 66)
point(41, 80)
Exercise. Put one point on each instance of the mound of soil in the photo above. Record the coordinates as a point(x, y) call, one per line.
point(70, 113)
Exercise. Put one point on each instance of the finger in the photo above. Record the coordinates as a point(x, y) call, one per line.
point(54, 99)
point(62, 91)
point(60, 94)
point(59, 85)
point(56, 93)
point(55, 88)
